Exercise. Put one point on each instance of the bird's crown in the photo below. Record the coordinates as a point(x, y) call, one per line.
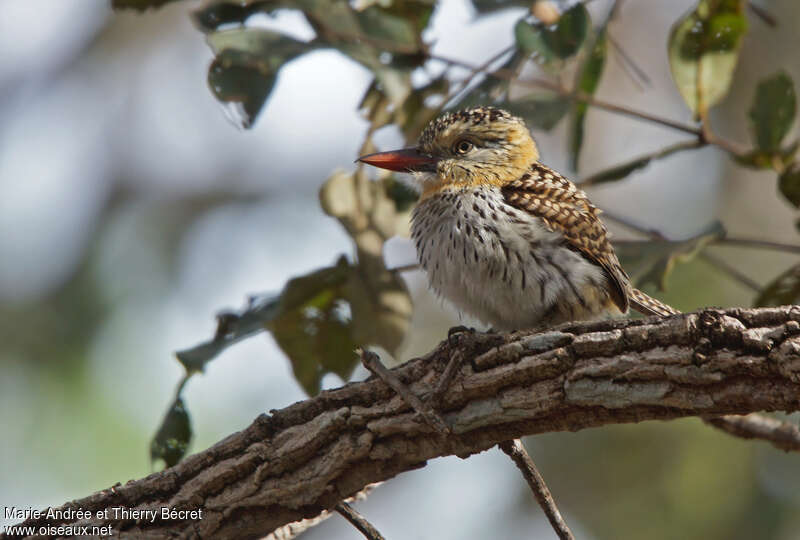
point(479, 119)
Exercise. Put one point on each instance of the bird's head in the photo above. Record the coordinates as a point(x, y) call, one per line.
point(478, 146)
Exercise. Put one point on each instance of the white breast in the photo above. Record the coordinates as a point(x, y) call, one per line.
point(498, 263)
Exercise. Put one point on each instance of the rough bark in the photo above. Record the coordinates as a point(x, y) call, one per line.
point(299, 461)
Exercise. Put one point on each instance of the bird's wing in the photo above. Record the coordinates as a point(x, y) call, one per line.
point(544, 193)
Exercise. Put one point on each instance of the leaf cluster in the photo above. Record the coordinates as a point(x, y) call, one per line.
point(318, 319)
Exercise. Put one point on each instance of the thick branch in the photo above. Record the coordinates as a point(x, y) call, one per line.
point(302, 460)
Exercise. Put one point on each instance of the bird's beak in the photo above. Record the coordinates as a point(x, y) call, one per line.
point(405, 160)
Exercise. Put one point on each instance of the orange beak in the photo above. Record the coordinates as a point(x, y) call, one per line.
point(405, 160)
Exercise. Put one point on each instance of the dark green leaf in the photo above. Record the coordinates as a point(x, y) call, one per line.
point(246, 66)
point(313, 326)
point(530, 40)
point(489, 6)
point(588, 81)
point(539, 112)
point(215, 14)
point(558, 41)
point(789, 184)
point(566, 37)
point(379, 24)
point(317, 337)
point(785, 290)
point(243, 82)
point(619, 172)
point(773, 111)
point(172, 438)
point(272, 49)
point(652, 261)
point(704, 49)
point(139, 5)
point(623, 170)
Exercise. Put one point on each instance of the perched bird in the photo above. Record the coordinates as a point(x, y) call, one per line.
point(504, 237)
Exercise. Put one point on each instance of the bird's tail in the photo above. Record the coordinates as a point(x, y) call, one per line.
point(647, 305)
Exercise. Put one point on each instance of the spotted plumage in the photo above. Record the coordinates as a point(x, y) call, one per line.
point(505, 238)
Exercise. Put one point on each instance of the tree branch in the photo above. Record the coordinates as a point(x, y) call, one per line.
point(302, 460)
point(358, 521)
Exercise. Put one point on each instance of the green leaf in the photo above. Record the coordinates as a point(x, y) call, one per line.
point(704, 49)
point(272, 49)
point(215, 14)
point(380, 24)
point(242, 82)
point(652, 261)
point(172, 438)
point(621, 171)
point(789, 184)
point(773, 111)
point(558, 41)
point(530, 40)
point(314, 328)
point(784, 290)
point(488, 6)
point(245, 69)
point(566, 37)
point(139, 5)
point(618, 172)
point(588, 81)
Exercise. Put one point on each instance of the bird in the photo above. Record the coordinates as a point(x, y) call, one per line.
point(503, 237)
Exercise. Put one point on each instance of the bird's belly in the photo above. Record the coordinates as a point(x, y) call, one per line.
point(503, 266)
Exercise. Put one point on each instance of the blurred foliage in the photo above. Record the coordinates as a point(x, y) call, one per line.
point(139, 5)
point(588, 80)
point(549, 43)
point(773, 111)
point(652, 261)
point(704, 49)
point(249, 59)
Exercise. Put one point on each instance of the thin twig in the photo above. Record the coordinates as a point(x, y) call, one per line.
point(373, 363)
point(506, 74)
point(783, 435)
point(753, 243)
point(462, 85)
point(358, 521)
point(763, 14)
point(759, 244)
point(527, 467)
point(405, 268)
point(636, 74)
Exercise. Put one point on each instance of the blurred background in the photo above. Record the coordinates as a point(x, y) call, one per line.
point(132, 211)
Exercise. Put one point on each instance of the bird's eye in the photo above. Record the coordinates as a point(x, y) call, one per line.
point(463, 146)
